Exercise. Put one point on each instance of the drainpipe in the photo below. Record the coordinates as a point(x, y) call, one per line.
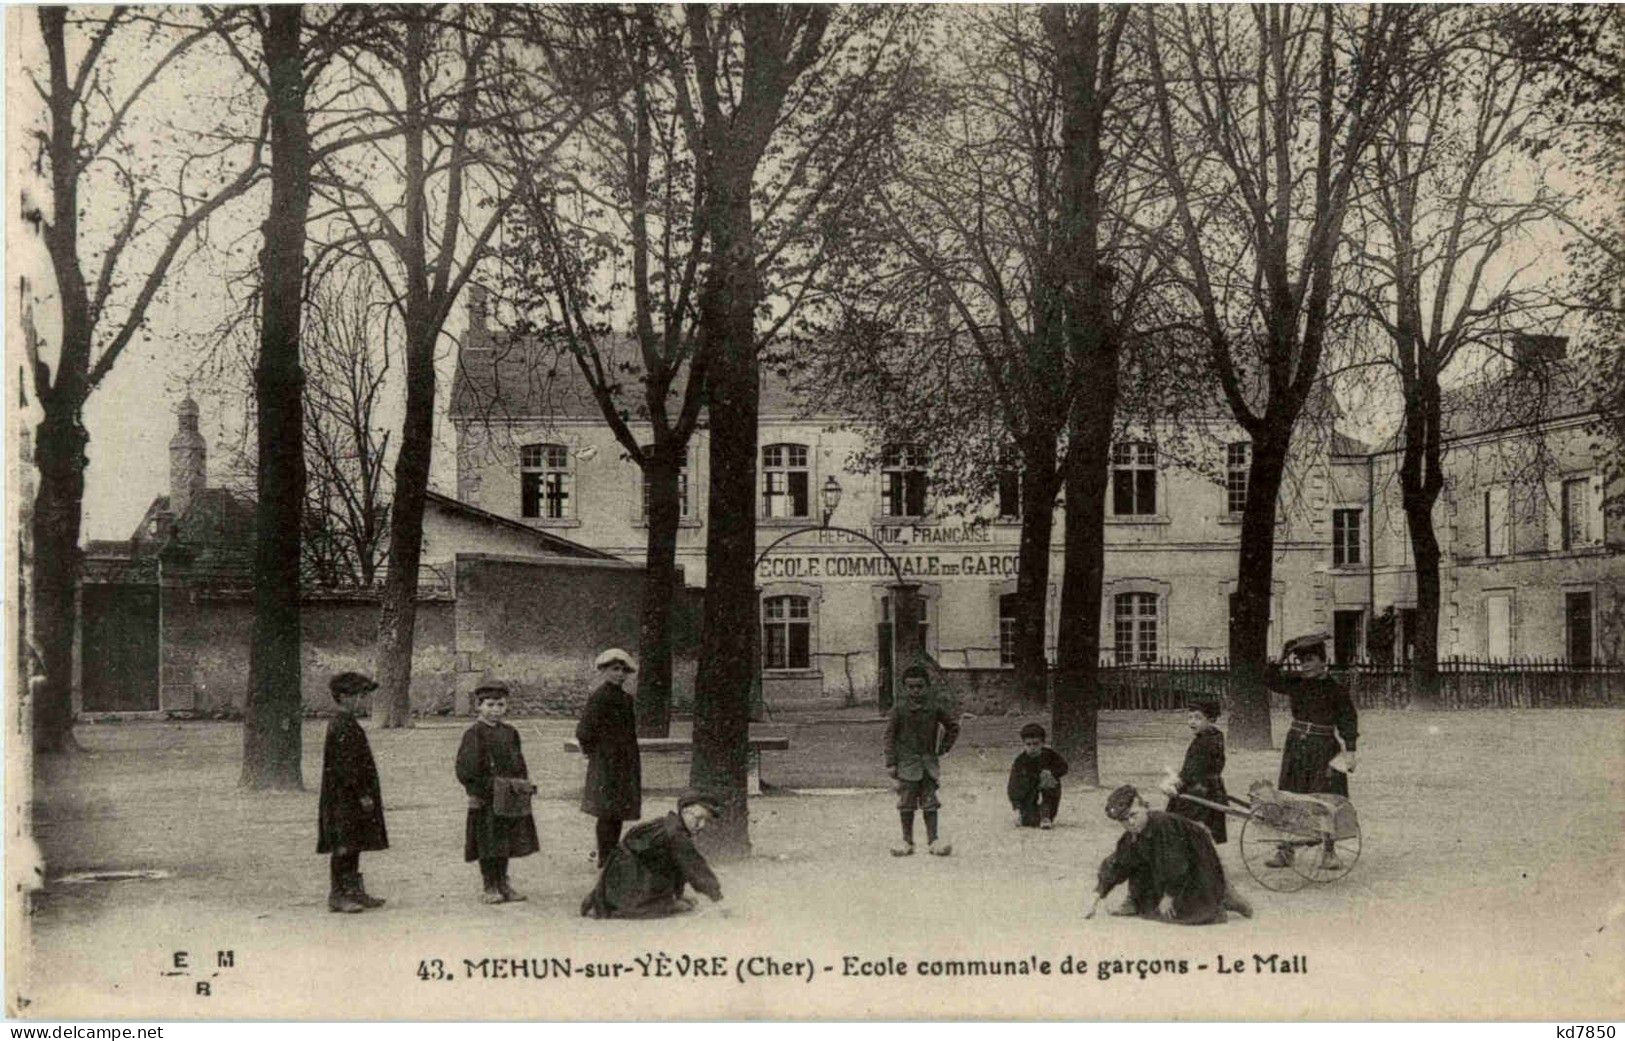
point(1371, 549)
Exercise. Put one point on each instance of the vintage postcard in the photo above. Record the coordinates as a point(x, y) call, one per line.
point(829, 512)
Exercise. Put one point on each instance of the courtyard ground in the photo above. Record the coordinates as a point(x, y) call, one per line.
point(1492, 885)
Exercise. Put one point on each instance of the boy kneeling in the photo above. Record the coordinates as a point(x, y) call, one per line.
point(1170, 864)
point(645, 875)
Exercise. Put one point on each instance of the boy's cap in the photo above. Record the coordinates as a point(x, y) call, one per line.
point(614, 655)
point(490, 691)
point(347, 683)
point(1033, 730)
point(1315, 641)
point(695, 797)
point(916, 670)
point(1120, 801)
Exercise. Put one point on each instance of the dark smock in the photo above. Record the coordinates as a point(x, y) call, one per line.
point(911, 740)
point(608, 734)
point(1025, 794)
point(1174, 857)
point(647, 872)
point(492, 750)
point(1305, 762)
point(348, 774)
point(1202, 775)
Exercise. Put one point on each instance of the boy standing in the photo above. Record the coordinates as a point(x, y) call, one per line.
point(1322, 713)
point(912, 748)
point(1202, 772)
point(608, 734)
point(350, 810)
point(491, 768)
point(1035, 780)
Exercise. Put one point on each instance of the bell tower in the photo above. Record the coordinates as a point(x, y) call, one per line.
point(188, 460)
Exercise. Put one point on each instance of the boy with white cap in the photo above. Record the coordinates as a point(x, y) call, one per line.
point(608, 735)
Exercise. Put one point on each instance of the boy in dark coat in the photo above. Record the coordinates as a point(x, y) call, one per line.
point(645, 875)
point(1035, 780)
point(912, 748)
point(1202, 773)
point(350, 810)
point(1170, 864)
point(1322, 712)
point(490, 757)
point(608, 734)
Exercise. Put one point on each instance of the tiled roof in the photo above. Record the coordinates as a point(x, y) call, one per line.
point(555, 544)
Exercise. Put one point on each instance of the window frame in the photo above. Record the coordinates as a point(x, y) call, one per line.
point(896, 477)
point(1007, 629)
point(1569, 517)
point(786, 469)
point(1234, 469)
point(1347, 550)
point(541, 471)
point(785, 623)
point(1138, 459)
point(1144, 608)
point(685, 490)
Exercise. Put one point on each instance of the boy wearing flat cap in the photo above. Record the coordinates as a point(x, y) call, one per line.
point(1035, 780)
point(491, 768)
point(350, 810)
point(608, 735)
point(1170, 864)
point(644, 876)
point(1324, 723)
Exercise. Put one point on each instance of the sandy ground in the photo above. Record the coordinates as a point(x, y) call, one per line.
point(1492, 885)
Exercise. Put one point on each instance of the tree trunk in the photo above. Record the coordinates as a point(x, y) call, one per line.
point(274, 712)
point(59, 451)
point(1075, 716)
point(660, 589)
point(1250, 610)
point(1039, 484)
point(1420, 482)
point(722, 688)
point(398, 611)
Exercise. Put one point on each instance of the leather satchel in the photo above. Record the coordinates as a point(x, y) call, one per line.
point(510, 796)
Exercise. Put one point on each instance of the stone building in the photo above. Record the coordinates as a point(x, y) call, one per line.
point(166, 614)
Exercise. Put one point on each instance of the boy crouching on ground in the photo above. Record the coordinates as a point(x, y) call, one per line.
point(644, 876)
point(1035, 780)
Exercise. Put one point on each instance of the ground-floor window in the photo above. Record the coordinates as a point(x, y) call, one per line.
point(1134, 617)
point(1577, 627)
point(1346, 629)
point(786, 633)
point(1007, 629)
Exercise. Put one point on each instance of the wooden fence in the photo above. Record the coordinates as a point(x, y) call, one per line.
point(1463, 684)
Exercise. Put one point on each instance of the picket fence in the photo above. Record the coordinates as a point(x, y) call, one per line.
point(1463, 684)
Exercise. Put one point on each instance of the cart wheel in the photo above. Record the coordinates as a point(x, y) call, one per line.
point(1317, 865)
point(1260, 841)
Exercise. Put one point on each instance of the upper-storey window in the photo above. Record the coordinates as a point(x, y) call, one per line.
point(786, 478)
point(1134, 479)
point(902, 481)
point(546, 483)
point(1238, 459)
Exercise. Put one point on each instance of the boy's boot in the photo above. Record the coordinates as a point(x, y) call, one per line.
point(508, 892)
point(358, 893)
point(340, 900)
point(1234, 901)
point(491, 895)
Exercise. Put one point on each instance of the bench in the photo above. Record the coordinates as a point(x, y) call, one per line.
point(666, 745)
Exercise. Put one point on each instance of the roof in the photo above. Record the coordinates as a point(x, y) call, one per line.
point(501, 378)
point(555, 544)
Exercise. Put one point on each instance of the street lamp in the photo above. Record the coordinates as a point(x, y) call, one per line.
point(832, 498)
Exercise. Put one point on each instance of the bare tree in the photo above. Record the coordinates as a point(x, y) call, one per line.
point(1443, 214)
point(438, 90)
point(347, 356)
point(106, 201)
point(1265, 116)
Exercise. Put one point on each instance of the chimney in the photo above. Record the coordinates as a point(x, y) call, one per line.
point(188, 468)
point(479, 311)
